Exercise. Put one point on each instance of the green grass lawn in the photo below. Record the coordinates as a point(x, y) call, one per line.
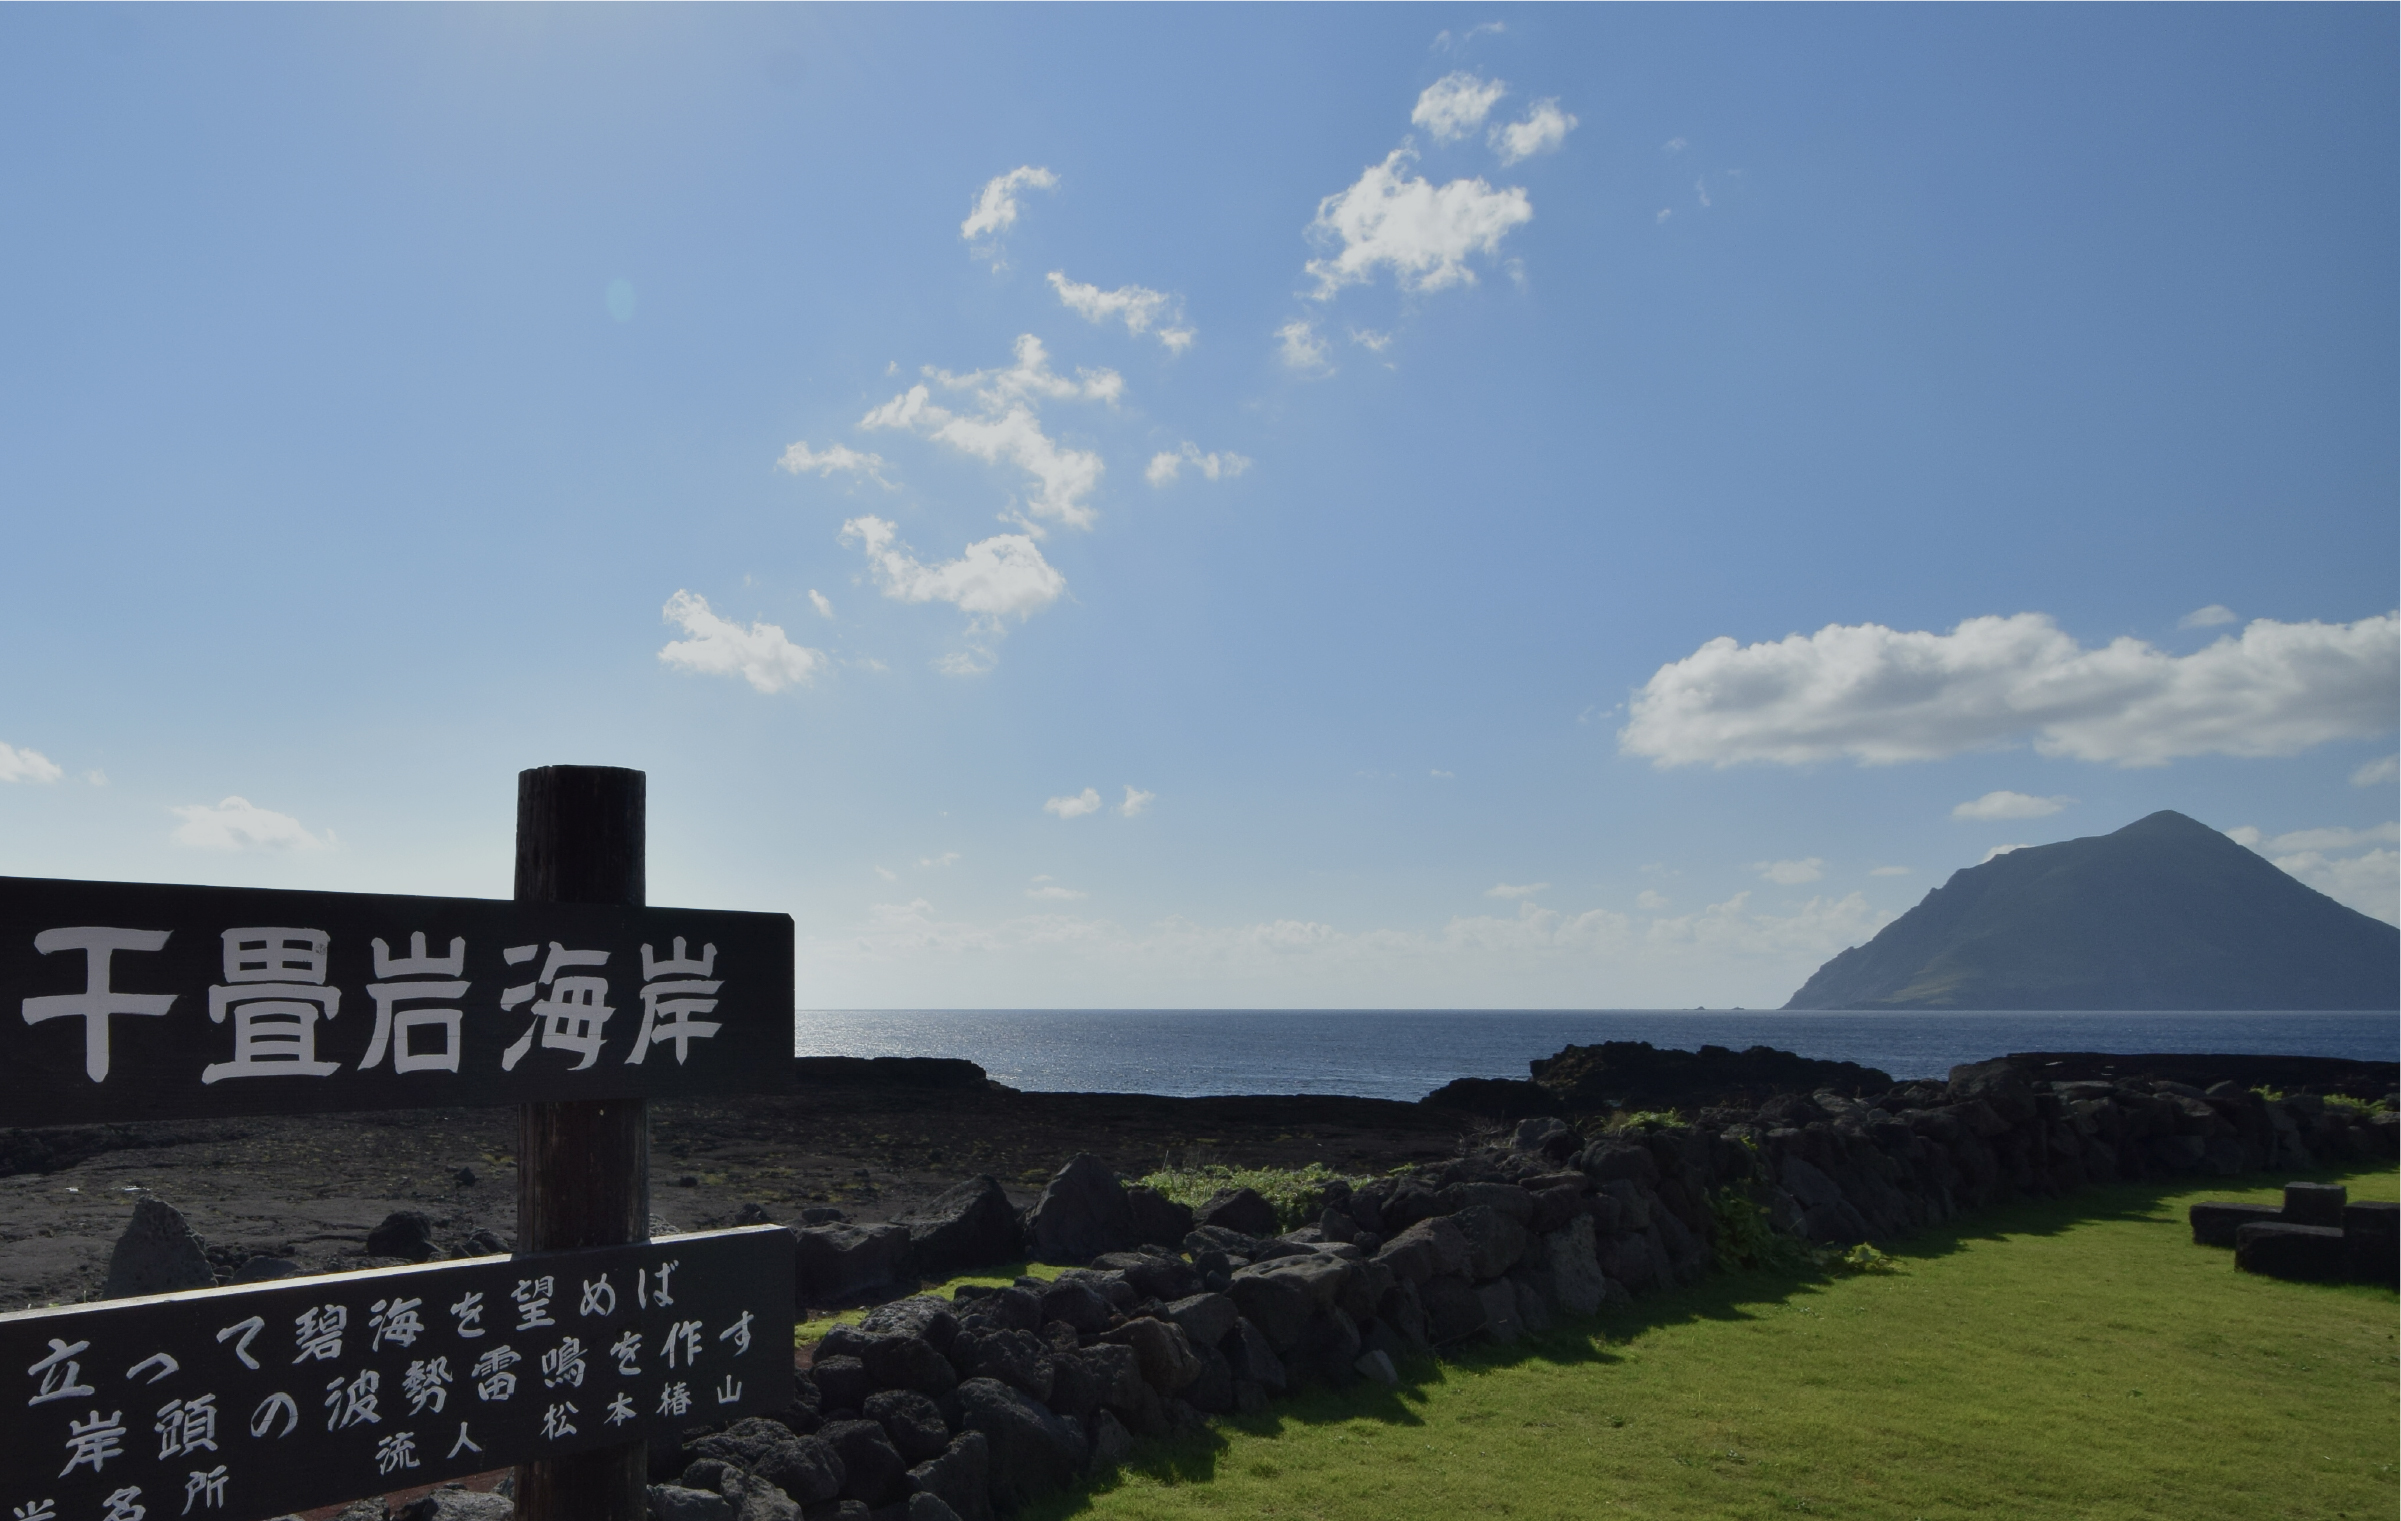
point(2072, 1358)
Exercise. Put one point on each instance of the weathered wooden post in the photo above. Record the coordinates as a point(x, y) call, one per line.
point(583, 1166)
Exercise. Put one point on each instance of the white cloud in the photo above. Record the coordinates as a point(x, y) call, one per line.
point(947, 858)
point(2369, 881)
point(887, 873)
point(1136, 801)
point(1056, 893)
point(2000, 850)
point(239, 824)
point(1137, 307)
point(1302, 349)
point(1444, 42)
point(96, 778)
point(832, 458)
point(2336, 838)
point(1508, 890)
point(817, 600)
point(1650, 900)
point(1440, 775)
point(1456, 104)
point(1674, 145)
point(1371, 340)
point(1165, 466)
point(1543, 130)
point(1086, 801)
point(1423, 231)
point(26, 765)
point(1007, 427)
point(2010, 805)
point(1791, 873)
point(991, 579)
point(2207, 617)
point(1888, 871)
point(2377, 773)
point(995, 210)
point(759, 654)
point(1881, 696)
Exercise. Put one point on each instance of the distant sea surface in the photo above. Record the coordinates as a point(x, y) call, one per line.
point(1188, 1052)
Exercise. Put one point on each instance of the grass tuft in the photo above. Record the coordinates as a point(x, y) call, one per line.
point(1297, 1194)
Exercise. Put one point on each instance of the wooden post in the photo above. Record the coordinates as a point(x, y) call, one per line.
point(583, 1167)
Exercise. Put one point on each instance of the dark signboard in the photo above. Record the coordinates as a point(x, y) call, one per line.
point(123, 1001)
point(246, 1403)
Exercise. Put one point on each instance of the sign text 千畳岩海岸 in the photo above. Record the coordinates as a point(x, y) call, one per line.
point(248, 1402)
point(123, 1001)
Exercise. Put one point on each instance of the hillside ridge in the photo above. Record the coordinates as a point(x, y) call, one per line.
point(2166, 913)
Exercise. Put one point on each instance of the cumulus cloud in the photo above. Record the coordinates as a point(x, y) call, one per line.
point(834, 457)
point(2377, 773)
point(1136, 801)
point(1650, 900)
point(990, 580)
point(1422, 231)
point(1006, 427)
point(1301, 349)
point(1075, 807)
point(817, 600)
point(2207, 617)
point(995, 210)
point(947, 858)
point(759, 654)
point(1791, 873)
point(1511, 890)
point(1166, 466)
point(2010, 805)
point(1880, 696)
point(1371, 340)
point(26, 765)
point(1140, 309)
point(1053, 891)
point(1444, 42)
point(1456, 104)
point(1543, 130)
point(2369, 881)
point(239, 824)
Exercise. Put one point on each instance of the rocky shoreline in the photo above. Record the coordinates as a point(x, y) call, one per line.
point(1459, 1224)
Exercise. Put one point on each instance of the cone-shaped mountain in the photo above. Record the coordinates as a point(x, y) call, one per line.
point(2167, 913)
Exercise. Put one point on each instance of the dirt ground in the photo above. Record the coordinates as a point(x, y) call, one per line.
point(309, 1189)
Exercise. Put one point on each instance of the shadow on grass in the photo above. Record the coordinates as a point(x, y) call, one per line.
point(1193, 1457)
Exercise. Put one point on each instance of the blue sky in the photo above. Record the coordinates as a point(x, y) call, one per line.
point(1406, 507)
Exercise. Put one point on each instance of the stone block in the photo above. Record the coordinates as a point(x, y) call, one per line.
point(2214, 1221)
point(2312, 1253)
point(2315, 1204)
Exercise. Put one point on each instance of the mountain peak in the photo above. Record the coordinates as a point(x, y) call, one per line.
point(2165, 913)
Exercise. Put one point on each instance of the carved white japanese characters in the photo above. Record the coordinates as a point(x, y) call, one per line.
point(275, 991)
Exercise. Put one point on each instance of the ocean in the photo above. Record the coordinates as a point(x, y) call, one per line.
point(1406, 1055)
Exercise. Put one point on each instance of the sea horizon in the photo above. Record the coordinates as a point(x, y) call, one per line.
point(1193, 1052)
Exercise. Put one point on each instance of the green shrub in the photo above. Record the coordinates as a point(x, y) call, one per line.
point(1297, 1194)
point(1744, 1241)
point(2344, 1103)
point(1644, 1119)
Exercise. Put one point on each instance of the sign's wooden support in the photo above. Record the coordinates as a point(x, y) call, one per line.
point(238, 1404)
point(583, 1166)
